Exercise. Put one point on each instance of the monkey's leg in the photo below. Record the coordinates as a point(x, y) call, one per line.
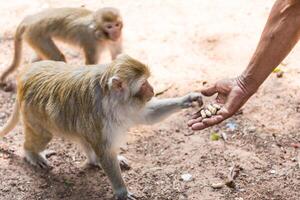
point(46, 49)
point(91, 54)
point(93, 160)
point(110, 164)
point(35, 142)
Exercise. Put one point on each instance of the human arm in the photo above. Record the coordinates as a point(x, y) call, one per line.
point(279, 36)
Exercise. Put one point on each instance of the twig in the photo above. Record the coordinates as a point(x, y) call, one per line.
point(233, 173)
point(278, 143)
point(164, 90)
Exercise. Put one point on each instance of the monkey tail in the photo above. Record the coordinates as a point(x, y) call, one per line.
point(17, 54)
point(12, 121)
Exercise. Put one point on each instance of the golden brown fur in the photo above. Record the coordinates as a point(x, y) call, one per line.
point(77, 26)
point(93, 105)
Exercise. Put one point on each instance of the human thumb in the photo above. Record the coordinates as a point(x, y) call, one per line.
point(209, 91)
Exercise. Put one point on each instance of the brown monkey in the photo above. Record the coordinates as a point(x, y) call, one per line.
point(91, 31)
point(93, 105)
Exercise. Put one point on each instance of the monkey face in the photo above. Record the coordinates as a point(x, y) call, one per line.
point(145, 93)
point(108, 24)
point(141, 90)
point(113, 30)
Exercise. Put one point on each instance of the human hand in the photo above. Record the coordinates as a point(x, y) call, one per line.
point(232, 95)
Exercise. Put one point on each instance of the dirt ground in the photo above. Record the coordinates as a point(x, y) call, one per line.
point(187, 44)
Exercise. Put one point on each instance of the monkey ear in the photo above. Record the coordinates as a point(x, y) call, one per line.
point(115, 83)
point(99, 34)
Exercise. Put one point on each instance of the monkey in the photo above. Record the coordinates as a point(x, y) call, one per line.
point(91, 31)
point(93, 106)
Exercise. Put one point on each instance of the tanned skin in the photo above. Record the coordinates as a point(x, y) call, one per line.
point(280, 35)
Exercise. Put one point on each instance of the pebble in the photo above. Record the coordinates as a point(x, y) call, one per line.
point(251, 129)
point(217, 185)
point(186, 177)
point(231, 126)
point(2, 115)
point(238, 198)
point(224, 136)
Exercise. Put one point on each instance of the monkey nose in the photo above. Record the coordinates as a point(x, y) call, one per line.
point(152, 91)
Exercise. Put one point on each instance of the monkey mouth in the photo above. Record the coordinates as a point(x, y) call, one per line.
point(149, 98)
point(114, 37)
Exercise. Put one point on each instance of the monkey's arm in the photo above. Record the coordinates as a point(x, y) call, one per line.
point(158, 109)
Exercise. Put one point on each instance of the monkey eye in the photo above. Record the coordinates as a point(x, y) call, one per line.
point(117, 24)
point(109, 26)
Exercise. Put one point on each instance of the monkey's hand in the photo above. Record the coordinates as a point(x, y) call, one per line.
point(188, 100)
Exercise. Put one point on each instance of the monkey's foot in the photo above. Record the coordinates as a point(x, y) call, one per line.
point(91, 164)
point(48, 153)
point(36, 160)
point(130, 196)
point(124, 164)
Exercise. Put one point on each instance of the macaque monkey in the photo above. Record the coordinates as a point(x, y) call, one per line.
point(91, 105)
point(91, 31)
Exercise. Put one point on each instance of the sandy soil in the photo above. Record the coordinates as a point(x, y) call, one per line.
point(186, 44)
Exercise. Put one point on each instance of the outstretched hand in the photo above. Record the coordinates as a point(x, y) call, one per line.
point(188, 100)
point(231, 95)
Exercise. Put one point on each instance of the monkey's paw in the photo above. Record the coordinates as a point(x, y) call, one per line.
point(88, 164)
point(188, 100)
point(36, 160)
point(124, 164)
point(129, 196)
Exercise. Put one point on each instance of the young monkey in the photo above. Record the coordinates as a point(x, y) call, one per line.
point(93, 105)
point(91, 31)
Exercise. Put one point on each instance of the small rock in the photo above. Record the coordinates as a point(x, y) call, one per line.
point(186, 177)
point(251, 129)
point(272, 171)
point(295, 145)
point(6, 189)
point(217, 185)
point(231, 126)
point(224, 136)
point(2, 115)
point(238, 198)
point(279, 74)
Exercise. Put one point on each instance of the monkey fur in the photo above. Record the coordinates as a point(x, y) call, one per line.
point(93, 106)
point(91, 31)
